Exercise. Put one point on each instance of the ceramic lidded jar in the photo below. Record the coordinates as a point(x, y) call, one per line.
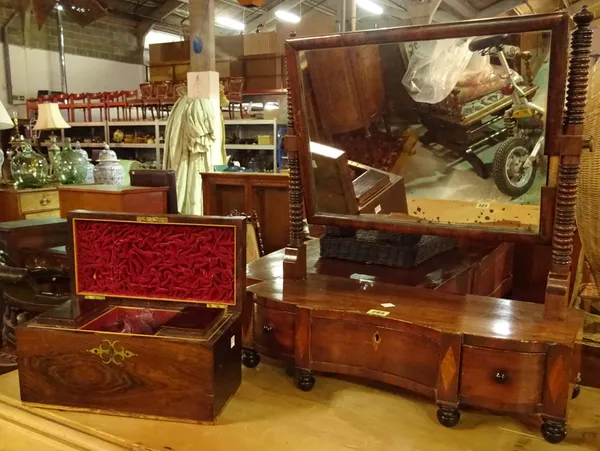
point(89, 177)
point(108, 171)
point(70, 166)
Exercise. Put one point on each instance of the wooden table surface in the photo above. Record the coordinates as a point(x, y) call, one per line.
point(269, 414)
point(429, 274)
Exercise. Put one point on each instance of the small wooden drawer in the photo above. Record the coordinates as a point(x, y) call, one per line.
point(397, 353)
point(501, 380)
point(43, 214)
point(274, 332)
point(39, 201)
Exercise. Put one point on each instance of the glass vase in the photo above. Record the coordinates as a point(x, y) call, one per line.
point(29, 168)
point(70, 166)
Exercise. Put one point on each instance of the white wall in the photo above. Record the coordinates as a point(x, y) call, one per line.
point(34, 69)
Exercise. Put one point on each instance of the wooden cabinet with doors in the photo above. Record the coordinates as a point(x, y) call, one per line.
point(266, 194)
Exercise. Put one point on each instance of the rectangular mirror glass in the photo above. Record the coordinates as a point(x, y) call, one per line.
point(446, 131)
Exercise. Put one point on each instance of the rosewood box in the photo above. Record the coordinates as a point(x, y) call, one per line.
point(153, 326)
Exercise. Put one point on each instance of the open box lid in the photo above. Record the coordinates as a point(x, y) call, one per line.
point(163, 258)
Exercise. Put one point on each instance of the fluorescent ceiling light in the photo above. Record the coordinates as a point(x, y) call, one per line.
point(228, 22)
point(287, 16)
point(369, 6)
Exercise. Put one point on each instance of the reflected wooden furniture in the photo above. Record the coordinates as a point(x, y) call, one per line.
point(458, 349)
point(265, 194)
point(32, 234)
point(347, 187)
point(113, 198)
point(28, 203)
point(355, 99)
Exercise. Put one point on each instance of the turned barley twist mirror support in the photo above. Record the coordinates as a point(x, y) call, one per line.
point(571, 142)
point(294, 263)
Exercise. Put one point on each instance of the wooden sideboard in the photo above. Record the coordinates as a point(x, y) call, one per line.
point(267, 194)
point(28, 203)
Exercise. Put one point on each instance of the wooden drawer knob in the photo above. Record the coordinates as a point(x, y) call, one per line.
point(268, 329)
point(500, 377)
point(44, 201)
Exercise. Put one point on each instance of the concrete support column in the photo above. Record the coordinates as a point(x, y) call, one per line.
point(202, 35)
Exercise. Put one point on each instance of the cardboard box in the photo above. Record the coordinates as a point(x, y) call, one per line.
point(161, 73)
point(169, 53)
point(260, 44)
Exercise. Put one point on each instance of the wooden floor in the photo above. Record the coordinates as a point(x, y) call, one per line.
point(268, 413)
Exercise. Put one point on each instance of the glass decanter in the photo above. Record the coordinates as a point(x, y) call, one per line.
point(70, 166)
point(28, 167)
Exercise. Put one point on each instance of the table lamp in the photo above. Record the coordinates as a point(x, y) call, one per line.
point(50, 118)
point(6, 123)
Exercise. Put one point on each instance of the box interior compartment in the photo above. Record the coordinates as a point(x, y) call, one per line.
point(188, 321)
point(166, 262)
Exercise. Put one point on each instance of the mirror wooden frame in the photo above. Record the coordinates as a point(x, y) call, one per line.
point(556, 23)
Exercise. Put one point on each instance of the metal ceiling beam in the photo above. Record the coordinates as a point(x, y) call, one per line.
point(165, 9)
point(499, 8)
point(463, 8)
point(157, 15)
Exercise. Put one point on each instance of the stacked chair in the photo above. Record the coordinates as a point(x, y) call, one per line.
point(156, 98)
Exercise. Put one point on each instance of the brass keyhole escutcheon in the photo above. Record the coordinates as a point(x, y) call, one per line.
point(376, 340)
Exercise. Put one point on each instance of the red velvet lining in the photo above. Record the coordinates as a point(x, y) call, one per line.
point(155, 261)
point(105, 322)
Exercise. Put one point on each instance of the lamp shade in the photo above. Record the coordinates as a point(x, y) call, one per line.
point(49, 117)
point(6, 121)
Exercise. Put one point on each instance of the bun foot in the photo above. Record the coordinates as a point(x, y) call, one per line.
point(304, 380)
point(554, 431)
point(250, 358)
point(576, 392)
point(448, 417)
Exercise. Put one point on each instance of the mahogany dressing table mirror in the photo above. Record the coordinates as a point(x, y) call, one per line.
point(497, 159)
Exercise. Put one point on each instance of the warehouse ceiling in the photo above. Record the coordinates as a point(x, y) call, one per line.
point(171, 15)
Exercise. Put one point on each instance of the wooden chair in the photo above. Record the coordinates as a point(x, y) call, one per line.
point(31, 105)
point(64, 103)
point(146, 93)
point(160, 91)
point(78, 102)
point(166, 104)
point(157, 177)
point(96, 102)
point(233, 91)
point(115, 99)
point(132, 99)
point(254, 242)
